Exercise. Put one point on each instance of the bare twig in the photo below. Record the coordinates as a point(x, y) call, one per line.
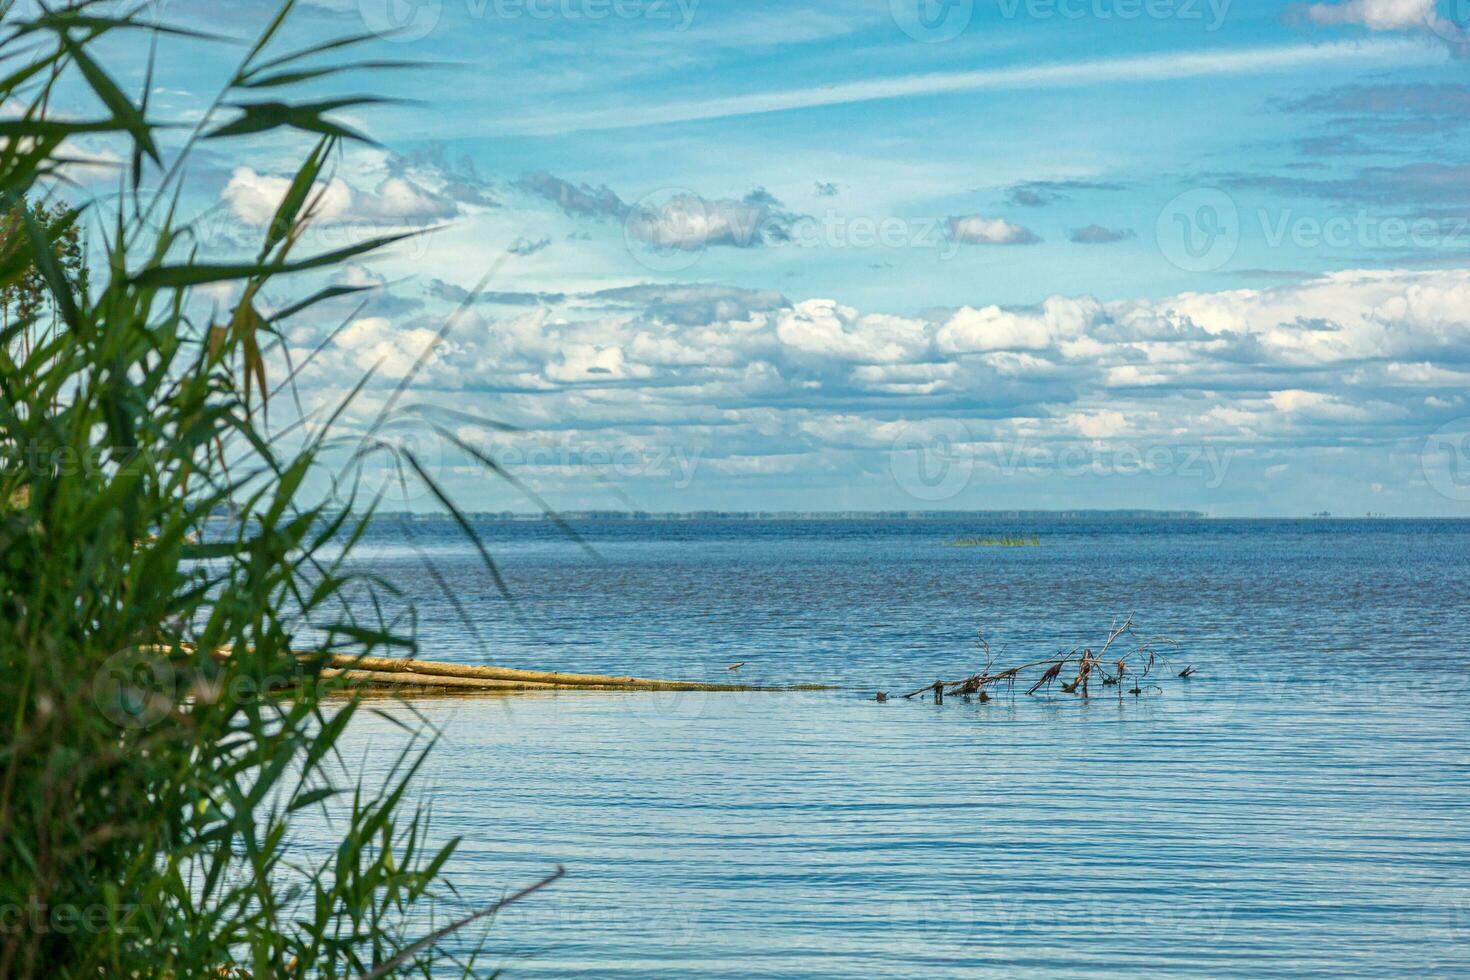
point(1090, 665)
point(384, 969)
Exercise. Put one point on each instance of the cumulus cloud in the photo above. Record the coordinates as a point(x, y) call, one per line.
point(992, 328)
point(1414, 326)
point(1039, 193)
point(974, 229)
point(455, 179)
point(694, 303)
point(1344, 361)
point(525, 246)
point(688, 222)
point(453, 293)
point(1376, 15)
point(682, 221)
point(581, 200)
point(1390, 15)
point(1098, 235)
point(253, 198)
point(825, 329)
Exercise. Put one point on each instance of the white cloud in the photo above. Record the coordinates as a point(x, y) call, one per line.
point(826, 329)
point(1376, 15)
point(254, 197)
point(1352, 360)
point(1099, 424)
point(1138, 68)
point(691, 223)
point(974, 229)
point(993, 329)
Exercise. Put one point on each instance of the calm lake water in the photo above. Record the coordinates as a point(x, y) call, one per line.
point(1300, 806)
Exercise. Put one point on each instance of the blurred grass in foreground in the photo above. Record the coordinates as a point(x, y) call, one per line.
point(147, 787)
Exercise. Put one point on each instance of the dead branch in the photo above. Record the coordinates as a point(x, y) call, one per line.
point(1137, 663)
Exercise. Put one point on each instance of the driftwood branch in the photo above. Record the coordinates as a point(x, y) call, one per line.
point(433, 938)
point(1137, 661)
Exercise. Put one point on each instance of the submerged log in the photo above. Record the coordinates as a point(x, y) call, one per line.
point(530, 679)
point(401, 679)
point(402, 672)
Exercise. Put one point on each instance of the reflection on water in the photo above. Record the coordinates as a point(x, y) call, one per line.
point(1302, 805)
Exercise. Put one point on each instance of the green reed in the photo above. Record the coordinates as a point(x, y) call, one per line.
point(150, 786)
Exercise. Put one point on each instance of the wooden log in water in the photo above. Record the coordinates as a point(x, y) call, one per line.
point(401, 672)
point(400, 679)
point(530, 679)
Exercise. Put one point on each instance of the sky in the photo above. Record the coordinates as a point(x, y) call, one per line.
point(903, 254)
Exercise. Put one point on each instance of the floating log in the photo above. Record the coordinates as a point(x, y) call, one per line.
point(401, 679)
point(510, 677)
point(401, 672)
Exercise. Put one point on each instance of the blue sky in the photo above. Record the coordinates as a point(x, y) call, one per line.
point(919, 253)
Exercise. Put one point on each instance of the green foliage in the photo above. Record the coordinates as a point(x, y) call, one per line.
point(25, 297)
point(163, 727)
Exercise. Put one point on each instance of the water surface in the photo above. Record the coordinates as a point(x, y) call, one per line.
point(1300, 806)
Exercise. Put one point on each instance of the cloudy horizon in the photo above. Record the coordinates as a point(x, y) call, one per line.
point(891, 255)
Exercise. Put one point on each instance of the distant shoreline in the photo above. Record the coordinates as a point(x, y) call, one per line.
point(917, 516)
point(801, 515)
